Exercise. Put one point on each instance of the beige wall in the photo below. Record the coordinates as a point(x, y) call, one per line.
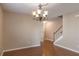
point(1, 24)
point(51, 26)
point(21, 30)
point(70, 31)
point(1, 27)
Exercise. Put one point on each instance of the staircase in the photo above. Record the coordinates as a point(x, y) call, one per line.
point(58, 34)
point(59, 41)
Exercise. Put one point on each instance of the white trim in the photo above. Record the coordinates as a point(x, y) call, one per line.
point(61, 37)
point(50, 39)
point(21, 48)
point(66, 48)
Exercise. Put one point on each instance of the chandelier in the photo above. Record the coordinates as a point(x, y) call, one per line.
point(41, 13)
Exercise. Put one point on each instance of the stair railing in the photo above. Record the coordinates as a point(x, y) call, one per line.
point(58, 33)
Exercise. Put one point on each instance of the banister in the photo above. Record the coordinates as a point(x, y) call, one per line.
point(58, 29)
point(56, 32)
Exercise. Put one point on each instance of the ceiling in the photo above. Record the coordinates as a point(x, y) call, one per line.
point(54, 9)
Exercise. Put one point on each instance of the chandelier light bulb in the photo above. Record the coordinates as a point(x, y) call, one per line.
point(34, 13)
point(37, 15)
point(46, 12)
point(39, 11)
point(44, 15)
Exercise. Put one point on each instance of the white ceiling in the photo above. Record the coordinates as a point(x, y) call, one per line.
point(54, 9)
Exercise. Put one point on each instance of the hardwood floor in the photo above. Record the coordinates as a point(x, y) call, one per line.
point(35, 51)
point(46, 49)
point(49, 49)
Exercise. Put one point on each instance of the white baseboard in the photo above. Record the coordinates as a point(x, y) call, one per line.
point(66, 48)
point(21, 48)
point(60, 38)
point(49, 40)
point(61, 46)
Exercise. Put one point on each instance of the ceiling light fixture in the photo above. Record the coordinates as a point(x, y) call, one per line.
point(41, 13)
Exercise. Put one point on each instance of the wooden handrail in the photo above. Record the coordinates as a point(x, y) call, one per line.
point(58, 29)
point(56, 32)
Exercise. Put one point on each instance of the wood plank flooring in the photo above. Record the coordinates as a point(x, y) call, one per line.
point(46, 49)
point(35, 51)
point(49, 49)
